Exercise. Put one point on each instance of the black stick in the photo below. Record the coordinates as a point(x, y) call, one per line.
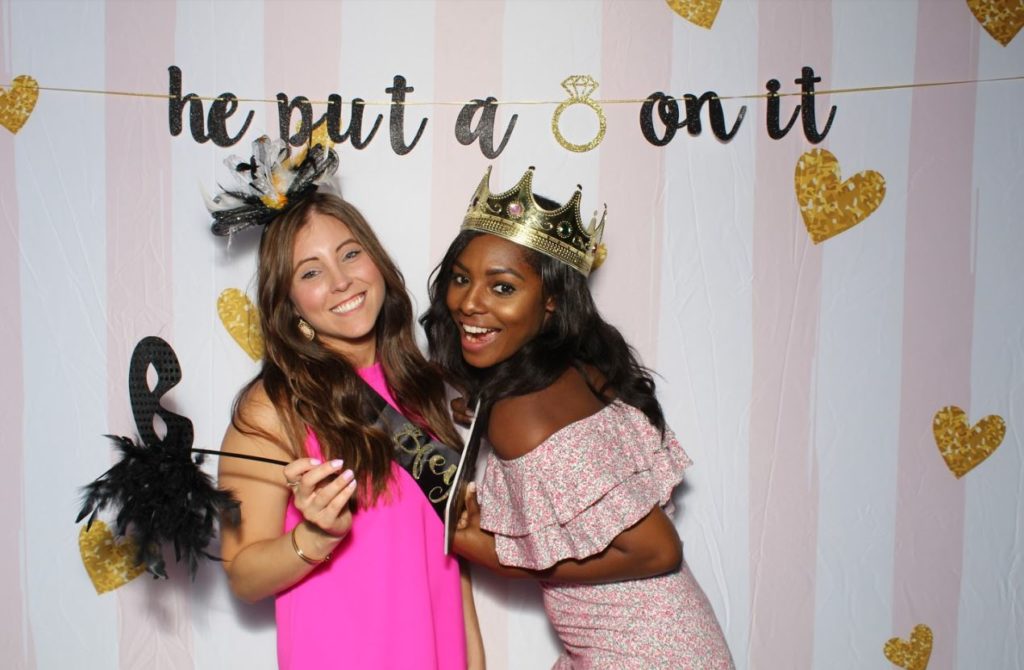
point(231, 454)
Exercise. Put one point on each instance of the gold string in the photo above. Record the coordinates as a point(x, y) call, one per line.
point(619, 101)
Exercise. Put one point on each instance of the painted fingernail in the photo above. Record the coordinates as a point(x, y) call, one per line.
point(348, 475)
point(337, 463)
point(314, 461)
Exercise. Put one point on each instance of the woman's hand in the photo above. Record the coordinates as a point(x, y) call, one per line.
point(321, 494)
point(461, 413)
point(471, 542)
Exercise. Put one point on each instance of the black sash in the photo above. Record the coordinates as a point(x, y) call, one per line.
point(431, 463)
point(439, 470)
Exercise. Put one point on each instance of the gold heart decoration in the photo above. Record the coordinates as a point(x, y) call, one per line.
point(241, 320)
point(109, 562)
point(1002, 19)
point(16, 105)
point(911, 655)
point(830, 206)
point(963, 446)
point(698, 12)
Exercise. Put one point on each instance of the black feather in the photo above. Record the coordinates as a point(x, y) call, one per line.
point(160, 496)
point(231, 221)
point(318, 163)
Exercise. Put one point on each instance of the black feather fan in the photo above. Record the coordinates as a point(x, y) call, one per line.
point(161, 496)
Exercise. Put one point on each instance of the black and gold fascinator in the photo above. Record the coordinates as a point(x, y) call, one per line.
point(269, 184)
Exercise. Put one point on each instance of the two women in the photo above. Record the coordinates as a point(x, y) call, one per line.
point(576, 494)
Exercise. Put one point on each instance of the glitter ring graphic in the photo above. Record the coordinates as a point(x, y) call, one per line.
point(579, 87)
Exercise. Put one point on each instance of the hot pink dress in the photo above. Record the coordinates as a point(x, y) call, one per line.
point(569, 498)
point(388, 599)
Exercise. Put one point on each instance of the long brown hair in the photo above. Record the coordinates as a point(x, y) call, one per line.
point(312, 386)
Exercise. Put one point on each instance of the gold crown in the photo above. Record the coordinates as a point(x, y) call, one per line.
point(517, 217)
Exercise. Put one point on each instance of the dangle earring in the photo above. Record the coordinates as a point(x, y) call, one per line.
point(306, 329)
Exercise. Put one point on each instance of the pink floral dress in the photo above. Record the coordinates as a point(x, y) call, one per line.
point(568, 499)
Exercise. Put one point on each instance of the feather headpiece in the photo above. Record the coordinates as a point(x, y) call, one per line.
point(269, 184)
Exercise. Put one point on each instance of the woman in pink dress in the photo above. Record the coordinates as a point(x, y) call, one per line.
point(343, 537)
point(577, 491)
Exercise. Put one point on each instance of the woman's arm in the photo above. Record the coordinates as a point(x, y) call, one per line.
point(475, 659)
point(258, 557)
point(649, 548)
point(517, 425)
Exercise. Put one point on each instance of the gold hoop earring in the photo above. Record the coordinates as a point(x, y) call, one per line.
point(306, 329)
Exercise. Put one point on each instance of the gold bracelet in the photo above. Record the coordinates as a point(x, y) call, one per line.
point(298, 552)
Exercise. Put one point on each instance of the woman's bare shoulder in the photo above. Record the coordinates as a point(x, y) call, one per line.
point(519, 424)
point(257, 410)
point(256, 429)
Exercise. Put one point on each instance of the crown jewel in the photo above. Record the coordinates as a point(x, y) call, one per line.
point(516, 216)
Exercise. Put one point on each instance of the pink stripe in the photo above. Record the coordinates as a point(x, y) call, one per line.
point(637, 44)
point(16, 637)
point(938, 309)
point(139, 50)
point(786, 308)
point(467, 65)
point(308, 65)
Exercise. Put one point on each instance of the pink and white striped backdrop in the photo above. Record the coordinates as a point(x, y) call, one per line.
point(820, 517)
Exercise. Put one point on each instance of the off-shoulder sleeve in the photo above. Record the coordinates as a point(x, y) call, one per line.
point(573, 494)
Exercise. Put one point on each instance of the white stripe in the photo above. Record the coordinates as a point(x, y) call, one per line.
point(704, 338)
point(61, 186)
point(857, 375)
point(393, 192)
point(991, 597)
point(226, 632)
point(564, 39)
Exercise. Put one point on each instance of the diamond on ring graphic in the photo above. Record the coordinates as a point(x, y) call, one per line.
point(579, 86)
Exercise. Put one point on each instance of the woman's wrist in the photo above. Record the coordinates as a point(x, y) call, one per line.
point(311, 544)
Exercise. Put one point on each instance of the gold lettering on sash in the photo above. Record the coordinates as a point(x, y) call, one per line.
point(413, 441)
point(409, 440)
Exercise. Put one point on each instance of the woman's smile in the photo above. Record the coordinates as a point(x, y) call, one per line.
point(350, 305)
point(475, 338)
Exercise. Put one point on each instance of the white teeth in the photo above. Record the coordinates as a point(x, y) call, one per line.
point(475, 330)
point(349, 305)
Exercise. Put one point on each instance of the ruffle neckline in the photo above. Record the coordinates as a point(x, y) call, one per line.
point(575, 492)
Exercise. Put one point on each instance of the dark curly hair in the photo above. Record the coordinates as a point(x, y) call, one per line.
point(574, 334)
